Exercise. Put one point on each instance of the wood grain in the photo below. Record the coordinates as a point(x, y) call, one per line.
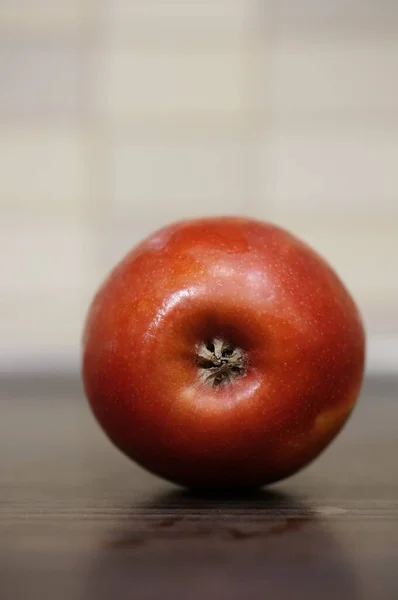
point(78, 520)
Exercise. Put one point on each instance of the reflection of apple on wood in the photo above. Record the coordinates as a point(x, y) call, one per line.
point(222, 352)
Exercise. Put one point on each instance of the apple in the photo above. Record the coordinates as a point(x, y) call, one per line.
point(222, 352)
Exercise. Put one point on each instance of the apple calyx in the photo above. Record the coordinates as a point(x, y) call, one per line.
point(219, 362)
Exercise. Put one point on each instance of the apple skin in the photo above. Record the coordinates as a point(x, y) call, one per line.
point(262, 290)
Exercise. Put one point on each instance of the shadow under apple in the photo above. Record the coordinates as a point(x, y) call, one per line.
point(185, 545)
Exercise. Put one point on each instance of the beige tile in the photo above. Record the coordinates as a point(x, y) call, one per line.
point(45, 257)
point(173, 179)
point(46, 286)
point(43, 170)
point(39, 15)
point(177, 9)
point(46, 289)
point(134, 85)
point(49, 325)
point(41, 78)
point(340, 72)
point(366, 261)
point(47, 315)
point(346, 13)
point(364, 256)
point(168, 18)
point(330, 170)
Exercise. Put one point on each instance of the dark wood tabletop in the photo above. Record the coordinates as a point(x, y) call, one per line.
point(80, 521)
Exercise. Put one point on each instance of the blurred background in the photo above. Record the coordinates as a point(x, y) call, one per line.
point(118, 116)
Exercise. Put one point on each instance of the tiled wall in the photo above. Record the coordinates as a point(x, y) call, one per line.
point(119, 116)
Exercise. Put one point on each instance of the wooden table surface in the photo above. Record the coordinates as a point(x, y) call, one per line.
point(78, 520)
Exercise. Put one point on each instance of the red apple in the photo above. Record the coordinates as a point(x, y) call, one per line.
point(222, 352)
